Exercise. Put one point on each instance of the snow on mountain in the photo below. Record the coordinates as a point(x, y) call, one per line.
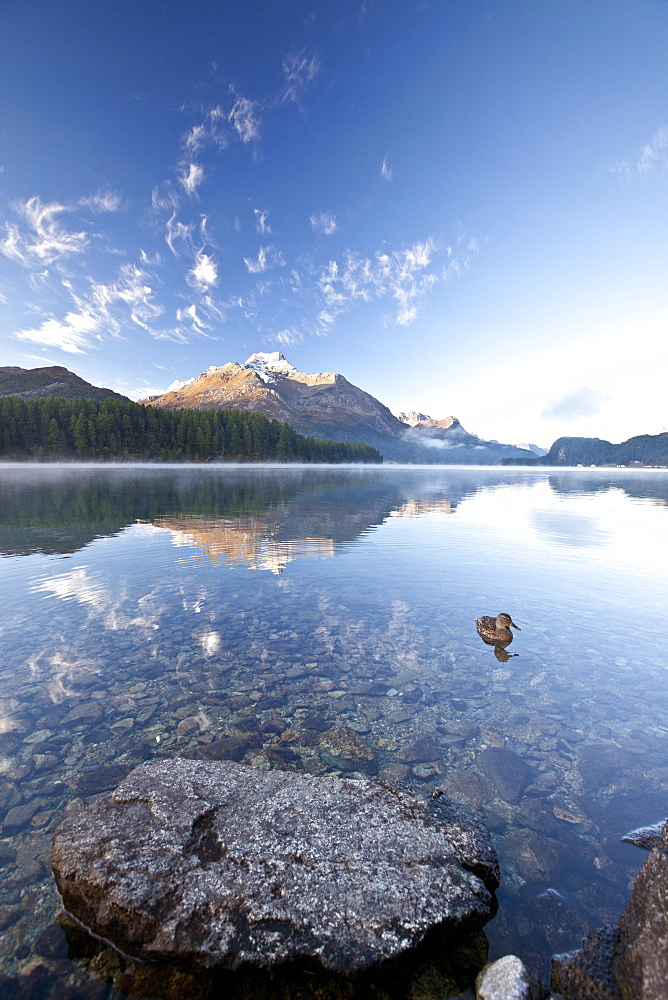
point(535, 449)
point(326, 405)
point(412, 417)
point(268, 366)
point(179, 384)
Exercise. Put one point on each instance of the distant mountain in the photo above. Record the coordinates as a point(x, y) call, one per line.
point(30, 383)
point(326, 405)
point(645, 449)
point(533, 448)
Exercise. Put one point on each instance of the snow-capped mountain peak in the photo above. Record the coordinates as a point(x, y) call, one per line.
point(268, 366)
point(179, 384)
point(412, 417)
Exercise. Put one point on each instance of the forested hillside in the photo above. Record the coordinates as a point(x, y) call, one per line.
point(53, 427)
point(645, 449)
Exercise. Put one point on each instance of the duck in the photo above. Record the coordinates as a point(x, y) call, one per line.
point(496, 631)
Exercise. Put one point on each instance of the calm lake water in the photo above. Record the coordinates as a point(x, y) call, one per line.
point(149, 611)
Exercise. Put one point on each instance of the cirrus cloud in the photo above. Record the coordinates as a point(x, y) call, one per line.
point(191, 178)
point(323, 222)
point(42, 239)
point(652, 156)
point(71, 334)
point(267, 258)
point(299, 70)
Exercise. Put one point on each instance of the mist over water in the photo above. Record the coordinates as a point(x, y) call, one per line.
point(150, 610)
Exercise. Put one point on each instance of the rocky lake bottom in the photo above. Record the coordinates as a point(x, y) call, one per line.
point(323, 621)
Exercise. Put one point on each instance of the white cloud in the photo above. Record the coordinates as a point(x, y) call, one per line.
point(102, 309)
point(261, 221)
point(205, 273)
point(165, 197)
point(132, 290)
point(71, 334)
point(401, 274)
point(653, 155)
point(324, 222)
point(189, 315)
point(289, 337)
point(192, 178)
point(386, 171)
point(267, 257)
point(211, 131)
point(175, 230)
point(245, 119)
point(105, 200)
point(299, 70)
point(43, 239)
point(326, 319)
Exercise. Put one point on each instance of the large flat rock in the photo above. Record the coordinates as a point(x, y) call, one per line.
point(225, 864)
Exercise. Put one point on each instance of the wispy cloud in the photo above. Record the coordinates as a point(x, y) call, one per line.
point(267, 257)
point(654, 155)
point(299, 70)
point(191, 177)
point(178, 232)
point(261, 221)
point(42, 238)
point(164, 196)
point(204, 274)
point(105, 200)
point(71, 334)
point(323, 222)
point(132, 290)
point(386, 171)
point(404, 275)
point(191, 317)
point(211, 131)
point(103, 309)
point(289, 336)
point(245, 119)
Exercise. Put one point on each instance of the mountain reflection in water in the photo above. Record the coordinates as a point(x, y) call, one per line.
point(149, 612)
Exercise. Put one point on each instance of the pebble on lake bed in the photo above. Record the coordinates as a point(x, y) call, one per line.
point(344, 749)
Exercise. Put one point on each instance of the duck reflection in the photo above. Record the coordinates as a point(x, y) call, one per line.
point(496, 632)
point(502, 654)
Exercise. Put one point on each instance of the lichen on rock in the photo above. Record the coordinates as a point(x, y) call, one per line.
point(224, 864)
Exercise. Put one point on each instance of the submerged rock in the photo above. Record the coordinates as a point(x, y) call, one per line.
point(225, 864)
point(507, 772)
point(342, 748)
point(508, 979)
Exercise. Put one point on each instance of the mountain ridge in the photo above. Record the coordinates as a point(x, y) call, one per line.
point(53, 380)
point(326, 404)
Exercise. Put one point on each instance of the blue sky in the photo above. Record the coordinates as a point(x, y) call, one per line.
point(461, 207)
